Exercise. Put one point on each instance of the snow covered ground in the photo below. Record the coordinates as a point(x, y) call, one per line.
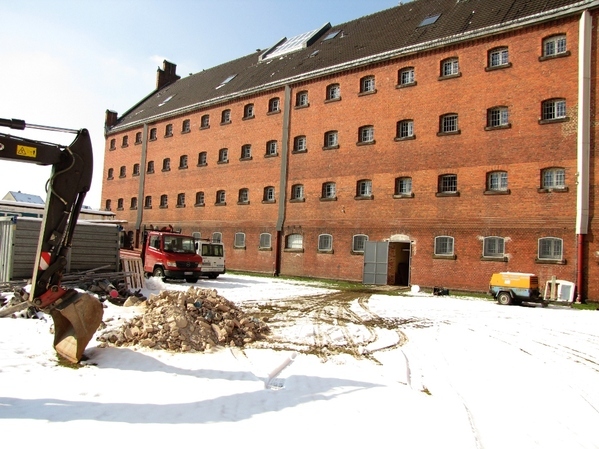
point(471, 374)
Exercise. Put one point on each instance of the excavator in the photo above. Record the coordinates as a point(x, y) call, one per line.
point(76, 315)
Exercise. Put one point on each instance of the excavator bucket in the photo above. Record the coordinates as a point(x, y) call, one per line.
point(75, 321)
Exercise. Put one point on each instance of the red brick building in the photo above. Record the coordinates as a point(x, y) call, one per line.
point(462, 133)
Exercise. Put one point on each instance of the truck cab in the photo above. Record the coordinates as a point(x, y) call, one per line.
point(170, 255)
point(213, 256)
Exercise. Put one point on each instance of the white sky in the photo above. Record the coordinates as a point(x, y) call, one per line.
point(65, 62)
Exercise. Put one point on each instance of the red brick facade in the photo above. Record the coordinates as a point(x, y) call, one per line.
point(523, 147)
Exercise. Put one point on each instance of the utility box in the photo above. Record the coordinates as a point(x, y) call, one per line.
point(94, 245)
point(514, 288)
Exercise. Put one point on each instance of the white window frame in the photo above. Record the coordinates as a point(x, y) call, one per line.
point(269, 194)
point(366, 134)
point(407, 76)
point(239, 240)
point(186, 126)
point(223, 155)
point(271, 148)
point(164, 200)
point(364, 188)
point(359, 243)
point(180, 200)
point(274, 105)
point(166, 164)
point(299, 144)
point(246, 151)
point(183, 161)
point(444, 245)
point(331, 139)
point(497, 181)
point(405, 129)
point(499, 57)
point(297, 192)
point(225, 116)
point(217, 237)
point(200, 198)
point(202, 158)
point(120, 204)
point(450, 67)
point(449, 123)
point(244, 195)
point(168, 130)
point(553, 109)
point(553, 178)
point(333, 92)
point(265, 241)
point(205, 121)
point(302, 99)
point(147, 202)
point(133, 202)
point(329, 190)
point(497, 116)
point(294, 241)
point(325, 243)
point(551, 248)
point(448, 183)
point(221, 197)
point(493, 246)
point(248, 110)
point(367, 84)
point(403, 185)
point(555, 45)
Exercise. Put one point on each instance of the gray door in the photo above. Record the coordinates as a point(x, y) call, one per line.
point(376, 255)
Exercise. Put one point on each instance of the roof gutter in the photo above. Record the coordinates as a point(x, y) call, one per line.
point(391, 54)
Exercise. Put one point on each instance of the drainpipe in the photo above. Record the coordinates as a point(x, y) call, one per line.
point(583, 145)
point(142, 177)
point(283, 179)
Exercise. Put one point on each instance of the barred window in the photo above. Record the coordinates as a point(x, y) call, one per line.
point(325, 242)
point(294, 241)
point(239, 240)
point(554, 45)
point(493, 246)
point(265, 241)
point(359, 243)
point(498, 57)
point(497, 181)
point(444, 246)
point(550, 248)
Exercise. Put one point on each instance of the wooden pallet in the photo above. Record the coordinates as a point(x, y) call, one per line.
point(134, 273)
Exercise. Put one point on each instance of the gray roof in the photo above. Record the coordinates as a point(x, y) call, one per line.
point(24, 197)
point(381, 36)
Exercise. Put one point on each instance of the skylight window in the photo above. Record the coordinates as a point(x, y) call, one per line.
point(331, 35)
point(296, 43)
point(429, 20)
point(229, 78)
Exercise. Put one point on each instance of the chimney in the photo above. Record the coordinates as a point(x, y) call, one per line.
point(110, 119)
point(166, 75)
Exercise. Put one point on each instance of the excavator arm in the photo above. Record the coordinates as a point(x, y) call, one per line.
point(76, 315)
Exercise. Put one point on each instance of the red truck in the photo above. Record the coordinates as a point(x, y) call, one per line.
point(169, 255)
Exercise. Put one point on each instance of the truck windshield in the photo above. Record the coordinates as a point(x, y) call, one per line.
point(179, 244)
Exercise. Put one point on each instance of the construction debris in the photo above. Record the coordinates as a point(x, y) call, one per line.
point(195, 320)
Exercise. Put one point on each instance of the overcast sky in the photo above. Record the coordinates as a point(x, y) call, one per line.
point(64, 62)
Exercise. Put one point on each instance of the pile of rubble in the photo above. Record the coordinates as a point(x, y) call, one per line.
point(194, 320)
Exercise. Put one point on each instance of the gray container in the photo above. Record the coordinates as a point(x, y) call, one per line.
point(94, 245)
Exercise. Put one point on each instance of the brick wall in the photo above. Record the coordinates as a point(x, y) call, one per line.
point(522, 149)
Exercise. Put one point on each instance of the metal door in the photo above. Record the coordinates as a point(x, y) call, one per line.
point(376, 255)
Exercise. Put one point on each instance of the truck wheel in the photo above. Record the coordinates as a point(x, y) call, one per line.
point(504, 298)
point(212, 275)
point(191, 280)
point(159, 273)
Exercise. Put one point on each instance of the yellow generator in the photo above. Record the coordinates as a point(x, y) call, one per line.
point(515, 288)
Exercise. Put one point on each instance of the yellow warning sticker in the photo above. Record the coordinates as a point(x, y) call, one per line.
point(26, 151)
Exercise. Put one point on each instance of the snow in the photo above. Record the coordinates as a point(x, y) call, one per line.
point(469, 374)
